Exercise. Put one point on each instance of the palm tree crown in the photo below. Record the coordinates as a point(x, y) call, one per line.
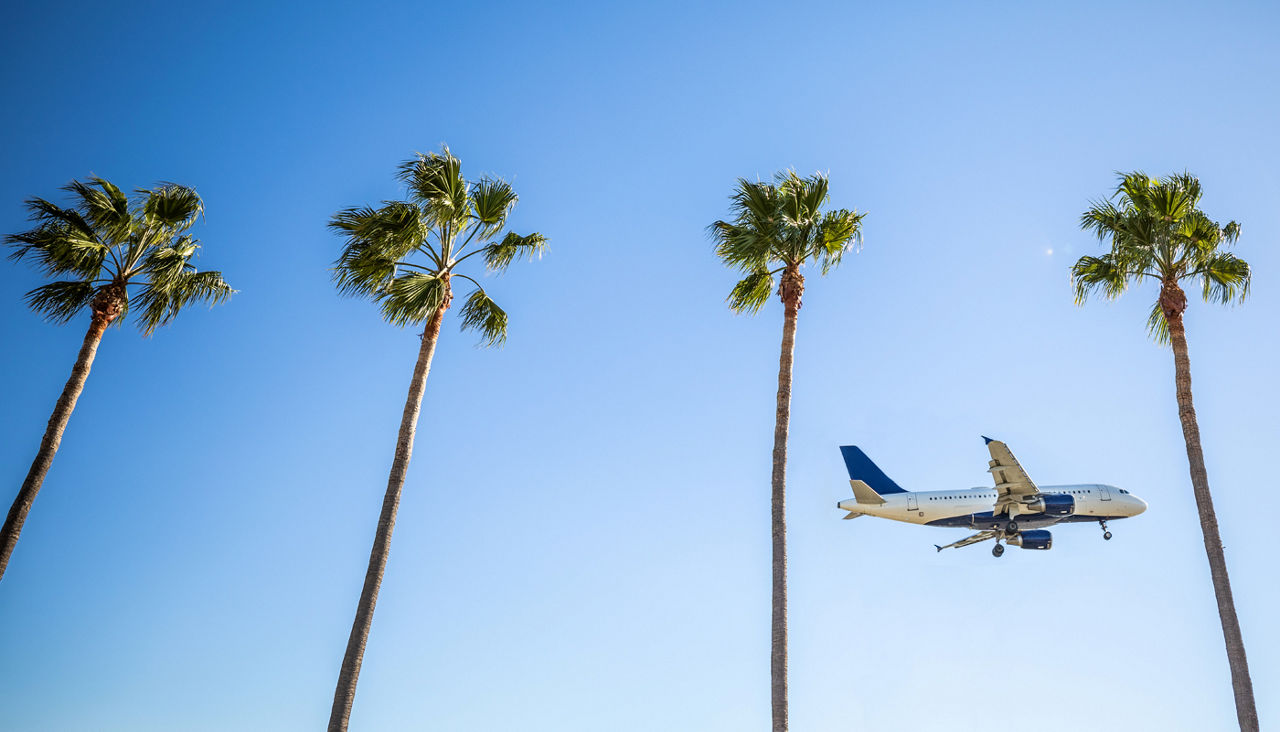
point(105, 245)
point(778, 227)
point(1156, 231)
point(404, 254)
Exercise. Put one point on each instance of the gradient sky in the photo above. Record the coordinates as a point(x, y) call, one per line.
point(583, 542)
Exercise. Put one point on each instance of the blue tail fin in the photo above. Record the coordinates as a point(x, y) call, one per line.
point(861, 468)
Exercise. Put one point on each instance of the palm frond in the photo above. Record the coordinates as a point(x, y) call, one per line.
point(57, 249)
point(171, 205)
point(394, 230)
point(435, 182)
point(491, 201)
point(362, 271)
point(748, 241)
point(1168, 203)
point(49, 213)
point(1157, 325)
point(411, 298)
point(756, 205)
point(1199, 231)
point(482, 314)
point(1186, 184)
point(1226, 278)
point(161, 301)
point(499, 255)
point(742, 247)
point(164, 265)
point(838, 232)
point(1230, 233)
point(802, 198)
point(377, 239)
point(751, 292)
point(59, 302)
point(1103, 219)
point(1098, 274)
point(354, 223)
point(105, 206)
point(1134, 187)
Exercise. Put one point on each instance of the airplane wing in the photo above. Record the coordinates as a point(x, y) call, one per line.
point(974, 539)
point(1013, 487)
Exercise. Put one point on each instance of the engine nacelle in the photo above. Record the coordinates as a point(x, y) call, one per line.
point(1035, 539)
point(1053, 504)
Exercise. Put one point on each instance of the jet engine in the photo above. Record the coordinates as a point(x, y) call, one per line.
point(1036, 539)
point(1053, 504)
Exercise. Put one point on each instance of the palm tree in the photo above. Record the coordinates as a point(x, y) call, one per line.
point(1157, 232)
point(101, 246)
point(776, 229)
point(405, 256)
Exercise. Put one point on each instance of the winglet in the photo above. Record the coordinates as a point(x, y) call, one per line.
point(988, 439)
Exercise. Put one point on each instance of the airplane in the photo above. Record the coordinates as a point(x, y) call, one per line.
point(1013, 512)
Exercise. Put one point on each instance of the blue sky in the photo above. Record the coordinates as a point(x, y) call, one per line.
point(583, 543)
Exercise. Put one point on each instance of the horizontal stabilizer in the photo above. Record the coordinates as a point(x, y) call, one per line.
point(863, 493)
point(852, 515)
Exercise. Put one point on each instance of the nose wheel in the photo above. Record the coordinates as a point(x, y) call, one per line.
point(1106, 535)
point(997, 550)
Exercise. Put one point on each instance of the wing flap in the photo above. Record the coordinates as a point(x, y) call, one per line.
point(972, 539)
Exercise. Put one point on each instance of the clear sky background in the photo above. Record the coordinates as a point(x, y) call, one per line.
point(583, 542)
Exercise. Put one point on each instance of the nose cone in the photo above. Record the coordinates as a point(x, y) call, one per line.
point(1139, 505)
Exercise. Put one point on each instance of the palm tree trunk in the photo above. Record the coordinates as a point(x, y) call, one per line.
point(791, 289)
point(345, 693)
point(1173, 302)
point(52, 439)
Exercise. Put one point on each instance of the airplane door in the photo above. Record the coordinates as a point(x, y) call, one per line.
point(911, 501)
point(1105, 492)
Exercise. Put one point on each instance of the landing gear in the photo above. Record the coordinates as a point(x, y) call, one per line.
point(1011, 527)
point(997, 550)
point(1106, 535)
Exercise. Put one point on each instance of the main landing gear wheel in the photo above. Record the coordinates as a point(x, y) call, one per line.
point(1011, 527)
point(997, 550)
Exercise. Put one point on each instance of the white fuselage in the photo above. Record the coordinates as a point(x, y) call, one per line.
point(966, 507)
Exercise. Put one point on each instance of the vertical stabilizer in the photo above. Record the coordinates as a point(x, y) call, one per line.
point(863, 470)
